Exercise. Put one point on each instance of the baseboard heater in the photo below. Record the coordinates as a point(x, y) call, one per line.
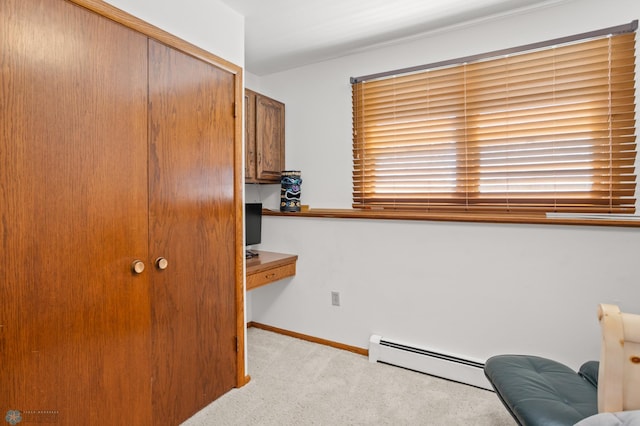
point(435, 363)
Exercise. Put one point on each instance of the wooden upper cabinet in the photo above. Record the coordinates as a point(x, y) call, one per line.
point(264, 138)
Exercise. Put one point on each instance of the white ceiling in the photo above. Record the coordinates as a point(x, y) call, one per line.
point(285, 34)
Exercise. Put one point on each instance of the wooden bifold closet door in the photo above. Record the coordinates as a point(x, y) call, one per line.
point(74, 321)
point(114, 149)
point(192, 226)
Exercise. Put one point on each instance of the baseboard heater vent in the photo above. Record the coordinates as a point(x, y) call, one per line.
point(435, 363)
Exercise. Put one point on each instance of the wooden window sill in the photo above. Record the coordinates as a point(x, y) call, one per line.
point(455, 217)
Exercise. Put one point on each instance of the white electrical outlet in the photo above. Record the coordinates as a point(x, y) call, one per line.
point(335, 298)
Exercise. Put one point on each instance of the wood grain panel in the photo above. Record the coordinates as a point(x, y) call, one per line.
point(270, 275)
point(250, 136)
point(269, 134)
point(268, 267)
point(74, 321)
point(193, 225)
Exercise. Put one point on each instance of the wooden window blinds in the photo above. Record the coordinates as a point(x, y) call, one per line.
point(550, 130)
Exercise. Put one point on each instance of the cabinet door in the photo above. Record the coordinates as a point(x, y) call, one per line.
point(192, 225)
point(269, 138)
point(74, 319)
point(250, 136)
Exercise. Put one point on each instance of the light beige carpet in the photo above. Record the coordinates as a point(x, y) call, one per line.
point(294, 382)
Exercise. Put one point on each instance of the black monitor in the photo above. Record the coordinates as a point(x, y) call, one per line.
point(252, 223)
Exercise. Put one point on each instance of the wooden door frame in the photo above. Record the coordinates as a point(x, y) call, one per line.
point(136, 24)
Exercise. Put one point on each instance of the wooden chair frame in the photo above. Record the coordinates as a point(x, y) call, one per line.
point(619, 371)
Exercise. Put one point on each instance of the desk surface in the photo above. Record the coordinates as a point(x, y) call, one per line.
point(268, 260)
point(269, 267)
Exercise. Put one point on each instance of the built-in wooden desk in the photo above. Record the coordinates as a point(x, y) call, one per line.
point(268, 267)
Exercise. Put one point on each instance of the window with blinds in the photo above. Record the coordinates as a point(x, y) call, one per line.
point(550, 130)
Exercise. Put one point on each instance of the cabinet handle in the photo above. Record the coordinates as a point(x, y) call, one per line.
point(162, 263)
point(137, 266)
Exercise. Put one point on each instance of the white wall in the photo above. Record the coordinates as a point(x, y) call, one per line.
point(252, 81)
point(466, 288)
point(208, 24)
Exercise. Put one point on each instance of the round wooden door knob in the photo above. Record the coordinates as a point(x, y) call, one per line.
point(162, 263)
point(137, 266)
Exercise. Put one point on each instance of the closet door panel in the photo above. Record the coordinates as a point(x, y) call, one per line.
point(74, 320)
point(192, 219)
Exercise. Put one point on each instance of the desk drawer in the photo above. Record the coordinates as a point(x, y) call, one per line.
point(270, 275)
